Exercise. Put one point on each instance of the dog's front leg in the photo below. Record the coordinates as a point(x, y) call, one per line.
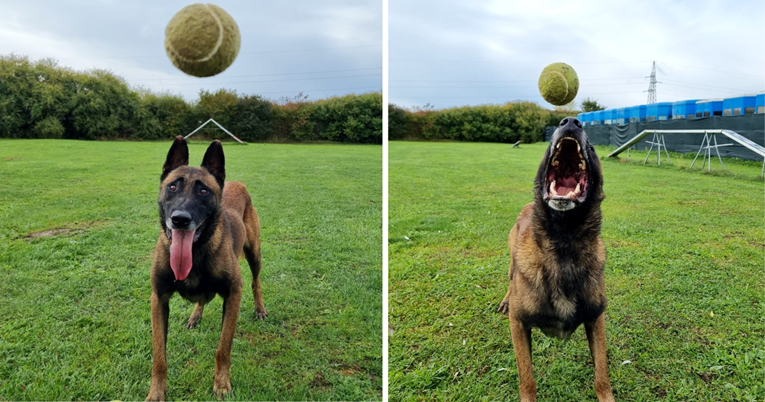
point(522, 346)
point(222, 379)
point(596, 338)
point(160, 310)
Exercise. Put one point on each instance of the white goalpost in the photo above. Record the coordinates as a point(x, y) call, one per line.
point(219, 126)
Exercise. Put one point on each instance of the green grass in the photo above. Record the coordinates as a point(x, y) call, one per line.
point(75, 315)
point(680, 244)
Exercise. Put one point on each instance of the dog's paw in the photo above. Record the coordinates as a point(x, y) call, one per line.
point(221, 385)
point(504, 307)
point(155, 394)
point(261, 313)
point(193, 321)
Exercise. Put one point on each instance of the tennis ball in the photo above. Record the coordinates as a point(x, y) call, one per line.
point(202, 40)
point(558, 84)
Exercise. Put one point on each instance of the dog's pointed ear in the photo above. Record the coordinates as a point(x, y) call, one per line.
point(215, 162)
point(176, 157)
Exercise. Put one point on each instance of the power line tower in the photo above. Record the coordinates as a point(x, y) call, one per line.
point(652, 86)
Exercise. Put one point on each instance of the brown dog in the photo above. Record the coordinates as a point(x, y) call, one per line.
point(557, 257)
point(206, 226)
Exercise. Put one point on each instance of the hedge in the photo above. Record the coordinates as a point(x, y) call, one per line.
point(506, 123)
point(40, 99)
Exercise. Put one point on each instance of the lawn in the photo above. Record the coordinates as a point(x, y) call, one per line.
point(684, 278)
point(78, 224)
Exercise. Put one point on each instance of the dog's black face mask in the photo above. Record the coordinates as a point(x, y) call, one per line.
point(569, 175)
point(189, 201)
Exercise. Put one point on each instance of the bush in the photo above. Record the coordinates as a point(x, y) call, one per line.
point(162, 116)
point(42, 100)
point(255, 119)
point(104, 107)
point(49, 127)
point(486, 123)
point(349, 118)
point(397, 122)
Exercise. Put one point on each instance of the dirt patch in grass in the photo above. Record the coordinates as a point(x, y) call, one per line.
point(319, 381)
point(296, 330)
point(692, 202)
point(348, 371)
point(53, 232)
point(73, 229)
point(706, 377)
point(11, 158)
point(663, 325)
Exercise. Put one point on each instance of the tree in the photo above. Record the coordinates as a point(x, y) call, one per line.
point(221, 105)
point(103, 107)
point(591, 105)
point(567, 109)
point(254, 118)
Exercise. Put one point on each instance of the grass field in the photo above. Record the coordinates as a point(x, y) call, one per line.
point(684, 279)
point(78, 223)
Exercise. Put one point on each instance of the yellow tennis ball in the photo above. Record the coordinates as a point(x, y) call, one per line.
point(202, 40)
point(558, 84)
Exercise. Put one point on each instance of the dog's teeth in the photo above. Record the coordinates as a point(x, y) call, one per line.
point(570, 194)
point(578, 148)
point(578, 189)
point(555, 162)
point(558, 146)
point(552, 188)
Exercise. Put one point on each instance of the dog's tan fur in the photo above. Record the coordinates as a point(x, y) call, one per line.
point(543, 264)
point(237, 232)
point(528, 295)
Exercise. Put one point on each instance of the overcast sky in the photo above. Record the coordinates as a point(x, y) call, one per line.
point(320, 48)
point(455, 52)
point(446, 53)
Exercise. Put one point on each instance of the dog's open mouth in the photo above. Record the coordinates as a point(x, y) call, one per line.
point(197, 232)
point(567, 173)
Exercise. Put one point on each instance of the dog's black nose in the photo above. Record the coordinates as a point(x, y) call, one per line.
point(181, 219)
point(570, 123)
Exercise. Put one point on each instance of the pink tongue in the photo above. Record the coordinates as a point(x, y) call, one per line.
point(180, 253)
point(565, 185)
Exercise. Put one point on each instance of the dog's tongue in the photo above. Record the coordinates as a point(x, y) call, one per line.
point(180, 253)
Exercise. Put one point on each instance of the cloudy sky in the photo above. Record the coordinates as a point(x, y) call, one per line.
point(454, 52)
point(320, 48)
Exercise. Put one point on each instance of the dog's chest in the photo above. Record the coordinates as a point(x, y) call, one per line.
point(201, 286)
point(565, 285)
point(566, 299)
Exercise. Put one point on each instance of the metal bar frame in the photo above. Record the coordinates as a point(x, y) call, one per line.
point(198, 128)
point(754, 147)
point(219, 126)
point(707, 161)
point(658, 140)
point(697, 153)
point(743, 141)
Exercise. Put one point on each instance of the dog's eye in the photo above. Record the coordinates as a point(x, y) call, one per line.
point(203, 191)
point(173, 188)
